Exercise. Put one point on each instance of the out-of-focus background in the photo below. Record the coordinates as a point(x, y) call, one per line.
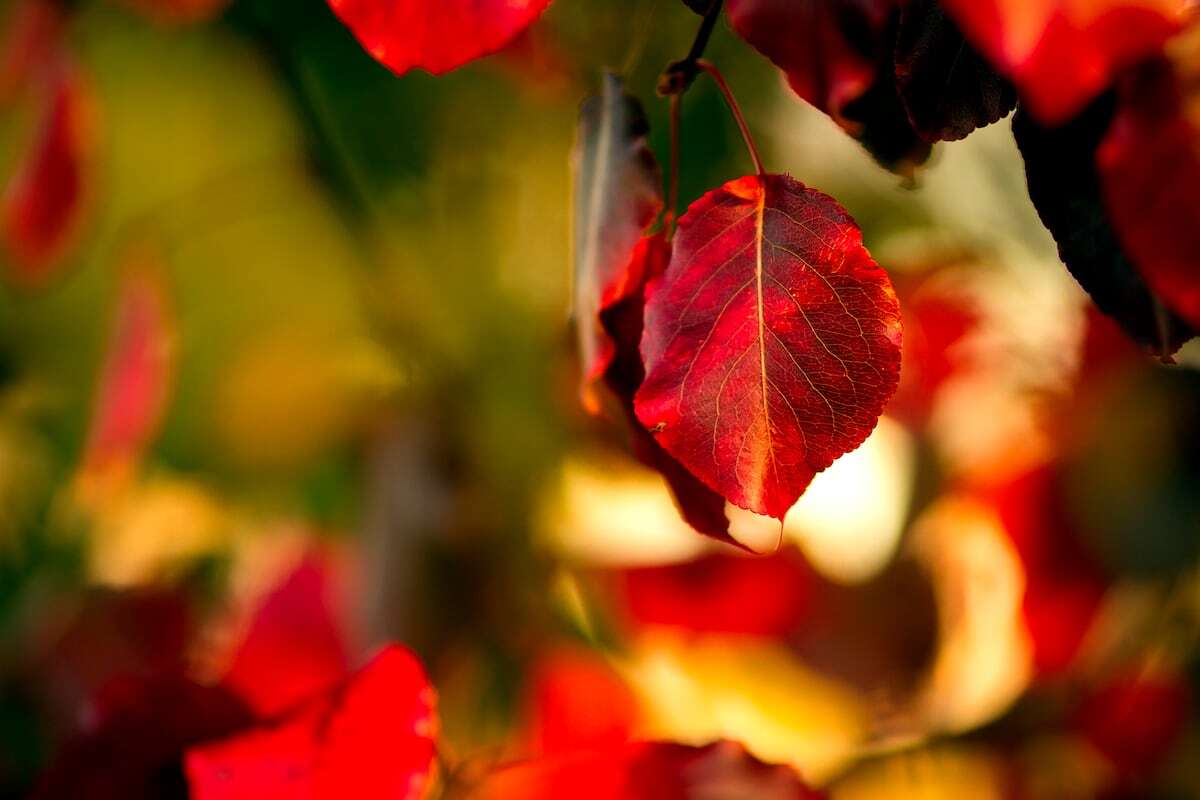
point(301, 373)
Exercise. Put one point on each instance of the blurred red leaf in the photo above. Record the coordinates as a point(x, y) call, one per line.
point(578, 702)
point(132, 744)
point(1135, 719)
point(1063, 585)
point(142, 632)
point(648, 771)
point(32, 37)
point(43, 203)
point(948, 89)
point(936, 321)
point(294, 647)
point(772, 341)
point(721, 593)
point(618, 193)
point(136, 378)
point(435, 36)
point(1149, 164)
point(1062, 53)
point(373, 736)
point(829, 49)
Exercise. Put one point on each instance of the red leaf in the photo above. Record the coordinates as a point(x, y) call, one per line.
point(648, 771)
point(136, 379)
point(829, 49)
point(372, 737)
point(577, 701)
point(435, 36)
point(772, 341)
point(1062, 53)
point(618, 193)
point(44, 200)
point(948, 89)
point(1149, 164)
point(294, 647)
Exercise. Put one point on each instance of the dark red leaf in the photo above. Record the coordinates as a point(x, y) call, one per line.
point(371, 737)
point(294, 647)
point(648, 771)
point(618, 194)
point(43, 204)
point(435, 36)
point(1063, 585)
point(721, 593)
point(839, 56)
point(829, 49)
point(1149, 165)
point(132, 747)
point(948, 89)
point(578, 701)
point(772, 342)
point(1061, 54)
point(1065, 189)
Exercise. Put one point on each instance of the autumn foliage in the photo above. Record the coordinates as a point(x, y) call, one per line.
point(931, 519)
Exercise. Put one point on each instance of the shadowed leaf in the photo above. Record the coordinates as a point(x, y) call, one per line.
point(948, 89)
point(1065, 189)
point(1149, 164)
point(618, 193)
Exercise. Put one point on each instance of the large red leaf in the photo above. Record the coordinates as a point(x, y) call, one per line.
point(618, 193)
point(1062, 53)
point(435, 35)
point(1149, 166)
point(32, 37)
point(647, 771)
point(372, 737)
point(772, 342)
point(43, 204)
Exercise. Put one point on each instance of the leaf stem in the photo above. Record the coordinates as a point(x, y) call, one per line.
point(673, 178)
point(735, 110)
